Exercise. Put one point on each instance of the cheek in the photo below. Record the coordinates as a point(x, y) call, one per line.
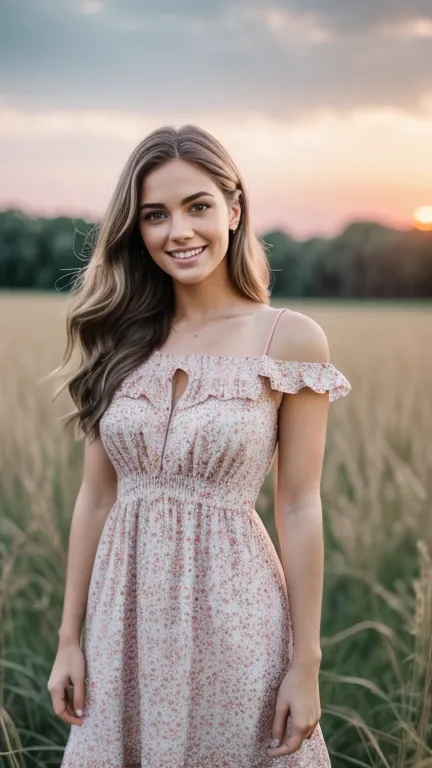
point(152, 238)
point(217, 233)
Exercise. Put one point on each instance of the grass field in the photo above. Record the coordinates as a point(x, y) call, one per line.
point(376, 674)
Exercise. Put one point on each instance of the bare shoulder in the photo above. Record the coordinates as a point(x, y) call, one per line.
point(298, 337)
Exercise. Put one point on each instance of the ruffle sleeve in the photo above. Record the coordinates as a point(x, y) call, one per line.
point(290, 376)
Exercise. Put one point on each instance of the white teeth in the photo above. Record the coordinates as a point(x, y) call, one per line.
point(186, 254)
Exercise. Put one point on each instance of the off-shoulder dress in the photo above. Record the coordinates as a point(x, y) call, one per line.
point(188, 631)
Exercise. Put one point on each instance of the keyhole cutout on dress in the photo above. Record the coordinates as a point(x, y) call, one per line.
point(179, 384)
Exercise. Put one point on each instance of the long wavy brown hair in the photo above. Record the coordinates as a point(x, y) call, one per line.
point(122, 303)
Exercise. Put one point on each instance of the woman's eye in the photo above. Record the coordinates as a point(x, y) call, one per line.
point(203, 205)
point(150, 215)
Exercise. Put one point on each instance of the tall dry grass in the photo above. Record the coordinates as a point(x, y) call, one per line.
point(377, 490)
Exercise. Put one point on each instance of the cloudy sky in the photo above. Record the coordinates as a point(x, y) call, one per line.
point(326, 105)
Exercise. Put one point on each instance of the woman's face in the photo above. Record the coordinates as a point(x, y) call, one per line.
point(184, 220)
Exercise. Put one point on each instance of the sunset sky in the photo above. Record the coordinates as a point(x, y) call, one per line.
point(325, 105)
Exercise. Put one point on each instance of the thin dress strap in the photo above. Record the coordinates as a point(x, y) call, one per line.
point(272, 329)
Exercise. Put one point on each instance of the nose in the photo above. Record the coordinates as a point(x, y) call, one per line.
point(180, 228)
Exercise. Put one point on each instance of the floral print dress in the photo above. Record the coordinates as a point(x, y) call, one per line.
point(188, 632)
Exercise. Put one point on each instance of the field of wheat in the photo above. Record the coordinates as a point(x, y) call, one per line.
point(376, 673)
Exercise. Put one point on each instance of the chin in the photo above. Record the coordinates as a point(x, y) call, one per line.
point(190, 279)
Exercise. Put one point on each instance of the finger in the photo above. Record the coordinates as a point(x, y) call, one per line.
point(296, 739)
point(279, 751)
point(59, 703)
point(293, 743)
point(278, 729)
point(79, 696)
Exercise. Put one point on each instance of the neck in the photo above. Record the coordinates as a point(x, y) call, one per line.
point(210, 298)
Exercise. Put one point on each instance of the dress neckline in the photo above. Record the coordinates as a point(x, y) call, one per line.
point(199, 356)
point(211, 357)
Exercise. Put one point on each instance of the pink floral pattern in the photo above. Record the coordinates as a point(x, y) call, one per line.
point(188, 630)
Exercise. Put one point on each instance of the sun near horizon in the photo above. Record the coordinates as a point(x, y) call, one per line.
point(422, 217)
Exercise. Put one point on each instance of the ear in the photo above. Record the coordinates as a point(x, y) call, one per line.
point(235, 210)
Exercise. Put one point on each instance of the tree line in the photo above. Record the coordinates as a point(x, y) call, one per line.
point(366, 260)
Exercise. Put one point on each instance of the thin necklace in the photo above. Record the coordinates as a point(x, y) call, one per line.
point(198, 333)
point(191, 333)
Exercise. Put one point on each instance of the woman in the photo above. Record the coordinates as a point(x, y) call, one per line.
point(200, 647)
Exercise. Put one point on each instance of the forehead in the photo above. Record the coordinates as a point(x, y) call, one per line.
point(175, 180)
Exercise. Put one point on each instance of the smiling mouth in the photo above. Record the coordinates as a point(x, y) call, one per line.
point(189, 255)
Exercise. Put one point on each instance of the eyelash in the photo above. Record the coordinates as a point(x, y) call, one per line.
point(149, 215)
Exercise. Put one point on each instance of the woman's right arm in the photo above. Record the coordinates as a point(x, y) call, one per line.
point(96, 496)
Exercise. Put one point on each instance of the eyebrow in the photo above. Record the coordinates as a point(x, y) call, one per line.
point(185, 200)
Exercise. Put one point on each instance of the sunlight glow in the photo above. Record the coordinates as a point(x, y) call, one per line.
point(423, 217)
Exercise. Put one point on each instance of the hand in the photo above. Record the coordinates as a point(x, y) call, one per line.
point(69, 668)
point(298, 696)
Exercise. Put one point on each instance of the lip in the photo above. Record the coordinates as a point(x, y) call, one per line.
point(183, 250)
point(192, 260)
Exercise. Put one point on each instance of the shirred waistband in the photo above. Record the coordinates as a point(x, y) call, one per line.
point(179, 488)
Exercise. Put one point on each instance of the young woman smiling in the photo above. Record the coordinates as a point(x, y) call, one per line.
point(201, 647)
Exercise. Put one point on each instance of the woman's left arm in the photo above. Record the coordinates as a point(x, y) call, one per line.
point(298, 517)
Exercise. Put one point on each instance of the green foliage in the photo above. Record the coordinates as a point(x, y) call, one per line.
point(366, 261)
point(42, 254)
